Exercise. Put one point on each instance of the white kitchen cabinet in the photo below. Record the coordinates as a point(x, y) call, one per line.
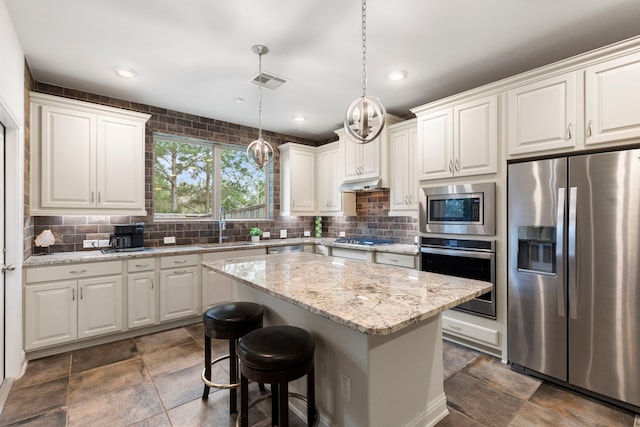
point(543, 115)
point(403, 144)
point(461, 140)
point(141, 292)
point(66, 303)
point(86, 158)
point(217, 288)
point(179, 287)
point(330, 200)
point(366, 161)
point(297, 179)
point(612, 90)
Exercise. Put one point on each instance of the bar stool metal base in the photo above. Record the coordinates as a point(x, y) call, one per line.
point(216, 385)
point(298, 396)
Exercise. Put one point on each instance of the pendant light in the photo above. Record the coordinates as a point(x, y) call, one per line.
point(260, 150)
point(366, 115)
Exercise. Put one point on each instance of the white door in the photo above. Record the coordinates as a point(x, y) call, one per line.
point(2, 253)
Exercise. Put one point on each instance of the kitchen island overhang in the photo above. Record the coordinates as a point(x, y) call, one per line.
point(377, 325)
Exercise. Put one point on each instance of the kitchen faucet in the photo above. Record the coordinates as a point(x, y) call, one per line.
point(222, 223)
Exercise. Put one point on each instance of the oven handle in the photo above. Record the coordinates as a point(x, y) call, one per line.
point(458, 253)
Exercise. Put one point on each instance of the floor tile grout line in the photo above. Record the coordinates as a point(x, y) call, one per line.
point(155, 387)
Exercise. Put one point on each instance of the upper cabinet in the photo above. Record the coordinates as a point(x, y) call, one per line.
point(543, 115)
point(612, 90)
point(86, 158)
point(297, 180)
point(460, 140)
point(366, 161)
point(329, 168)
point(403, 144)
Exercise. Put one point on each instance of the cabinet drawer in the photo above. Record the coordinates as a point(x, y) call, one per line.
point(72, 271)
point(468, 330)
point(178, 261)
point(350, 253)
point(399, 260)
point(212, 256)
point(143, 264)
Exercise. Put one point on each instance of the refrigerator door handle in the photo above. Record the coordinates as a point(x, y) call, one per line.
point(571, 254)
point(559, 252)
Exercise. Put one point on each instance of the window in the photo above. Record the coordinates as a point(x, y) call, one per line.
point(193, 179)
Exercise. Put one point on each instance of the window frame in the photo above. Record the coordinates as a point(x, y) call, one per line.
point(217, 177)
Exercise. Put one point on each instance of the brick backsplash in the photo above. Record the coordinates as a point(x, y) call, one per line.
point(70, 231)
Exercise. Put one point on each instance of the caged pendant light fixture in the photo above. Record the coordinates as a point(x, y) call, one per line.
point(260, 150)
point(366, 116)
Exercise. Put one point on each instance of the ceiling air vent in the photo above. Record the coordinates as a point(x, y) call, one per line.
point(267, 80)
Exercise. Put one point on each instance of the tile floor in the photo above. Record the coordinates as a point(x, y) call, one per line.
point(153, 380)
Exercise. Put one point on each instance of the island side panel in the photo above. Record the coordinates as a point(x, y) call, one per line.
point(406, 376)
point(339, 350)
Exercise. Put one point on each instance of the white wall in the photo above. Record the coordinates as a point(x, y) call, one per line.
point(12, 116)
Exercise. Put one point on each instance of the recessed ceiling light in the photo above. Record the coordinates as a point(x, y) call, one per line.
point(127, 73)
point(299, 118)
point(238, 100)
point(397, 75)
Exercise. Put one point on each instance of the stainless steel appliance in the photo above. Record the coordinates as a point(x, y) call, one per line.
point(127, 237)
point(363, 241)
point(473, 259)
point(574, 280)
point(458, 209)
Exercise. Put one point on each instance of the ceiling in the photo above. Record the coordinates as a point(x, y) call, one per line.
point(195, 56)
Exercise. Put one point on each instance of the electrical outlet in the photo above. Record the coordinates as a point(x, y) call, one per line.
point(266, 234)
point(345, 387)
point(342, 234)
point(283, 234)
point(103, 243)
point(89, 244)
point(169, 239)
point(415, 239)
point(307, 234)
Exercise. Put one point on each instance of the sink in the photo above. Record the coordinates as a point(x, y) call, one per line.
point(226, 245)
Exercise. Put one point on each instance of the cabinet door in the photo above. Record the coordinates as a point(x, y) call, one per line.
point(141, 301)
point(475, 137)
point(216, 288)
point(51, 314)
point(435, 145)
point(179, 293)
point(400, 160)
point(99, 306)
point(543, 115)
point(611, 100)
point(302, 181)
point(68, 157)
point(352, 159)
point(370, 159)
point(120, 163)
point(327, 180)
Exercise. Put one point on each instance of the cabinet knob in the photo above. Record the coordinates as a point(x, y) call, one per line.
point(589, 129)
point(568, 133)
point(77, 271)
point(450, 165)
point(180, 261)
point(92, 197)
point(9, 267)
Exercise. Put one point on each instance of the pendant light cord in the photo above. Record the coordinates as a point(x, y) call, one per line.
point(260, 96)
point(364, 48)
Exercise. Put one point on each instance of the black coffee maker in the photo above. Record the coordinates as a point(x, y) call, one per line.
point(128, 237)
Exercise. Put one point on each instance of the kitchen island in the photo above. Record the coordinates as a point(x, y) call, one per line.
point(377, 329)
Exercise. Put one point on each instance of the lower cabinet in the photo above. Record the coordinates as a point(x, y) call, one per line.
point(65, 303)
point(179, 287)
point(216, 288)
point(141, 293)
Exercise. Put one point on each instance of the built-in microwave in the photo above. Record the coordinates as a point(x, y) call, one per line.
point(458, 209)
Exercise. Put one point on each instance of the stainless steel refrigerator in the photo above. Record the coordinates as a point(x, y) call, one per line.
point(574, 275)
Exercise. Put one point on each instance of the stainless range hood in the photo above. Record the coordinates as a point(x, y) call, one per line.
point(364, 185)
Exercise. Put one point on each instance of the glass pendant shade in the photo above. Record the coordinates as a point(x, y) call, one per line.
point(365, 119)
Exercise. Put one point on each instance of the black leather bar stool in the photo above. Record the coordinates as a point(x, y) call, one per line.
point(277, 355)
point(229, 321)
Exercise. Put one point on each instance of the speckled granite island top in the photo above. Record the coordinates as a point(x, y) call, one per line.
point(371, 298)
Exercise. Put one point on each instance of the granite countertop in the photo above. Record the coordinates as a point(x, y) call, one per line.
point(373, 299)
point(96, 255)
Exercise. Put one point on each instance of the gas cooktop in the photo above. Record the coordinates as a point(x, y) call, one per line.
point(365, 241)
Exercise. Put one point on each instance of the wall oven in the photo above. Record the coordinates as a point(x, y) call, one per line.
point(458, 209)
point(472, 259)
